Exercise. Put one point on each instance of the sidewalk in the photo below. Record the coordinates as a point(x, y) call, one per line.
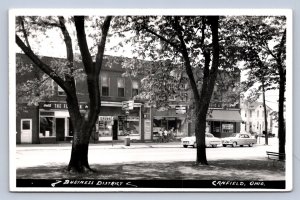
point(121, 145)
point(104, 145)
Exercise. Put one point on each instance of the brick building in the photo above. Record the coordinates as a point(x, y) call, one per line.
point(48, 121)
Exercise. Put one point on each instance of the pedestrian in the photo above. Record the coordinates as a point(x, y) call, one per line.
point(160, 133)
point(165, 135)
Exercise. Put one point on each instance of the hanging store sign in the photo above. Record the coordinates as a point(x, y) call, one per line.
point(180, 109)
point(227, 126)
point(106, 118)
point(60, 106)
point(127, 105)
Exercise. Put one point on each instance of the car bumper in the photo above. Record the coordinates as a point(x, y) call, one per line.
point(227, 142)
point(188, 143)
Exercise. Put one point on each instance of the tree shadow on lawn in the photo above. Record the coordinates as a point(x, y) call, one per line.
point(216, 170)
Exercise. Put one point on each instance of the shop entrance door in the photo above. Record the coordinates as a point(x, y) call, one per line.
point(26, 131)
point(115, 130)
point(60, 129)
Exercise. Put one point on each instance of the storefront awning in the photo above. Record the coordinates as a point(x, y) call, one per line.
point(224, 115)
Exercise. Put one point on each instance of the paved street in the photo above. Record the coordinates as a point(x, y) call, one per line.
point(48, 155)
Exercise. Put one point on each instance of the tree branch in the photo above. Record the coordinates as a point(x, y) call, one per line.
point(216, 50)
point(161, 37)
point(281, 47)
point(82, 43)
point(101, 46)
point(185, 55)
point(68, 42)
point(24, 32)
point(40, 64)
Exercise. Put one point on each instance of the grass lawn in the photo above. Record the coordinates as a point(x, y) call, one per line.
point(261, 170)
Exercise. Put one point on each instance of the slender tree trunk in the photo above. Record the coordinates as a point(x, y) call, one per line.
point(209, 80)
point(281, 121)
point(265, 113)
point(282, 80)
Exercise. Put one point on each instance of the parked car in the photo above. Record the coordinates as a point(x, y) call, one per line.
point(239, 139)
point(264, 134)
point(210, 141)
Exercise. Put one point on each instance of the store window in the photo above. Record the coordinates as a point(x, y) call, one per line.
point(26, 125)
point(227, 128)
point(121, 87)
point(135, 88)
point(105, 85)
point(129, 126)
point(47, 126)
point(105, 124)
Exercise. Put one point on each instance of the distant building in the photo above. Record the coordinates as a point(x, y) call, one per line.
point(254, 118)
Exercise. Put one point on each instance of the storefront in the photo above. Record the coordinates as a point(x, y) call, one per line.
point(112, 124)
point(172, 121)
point(222, 123)
point(54, 122)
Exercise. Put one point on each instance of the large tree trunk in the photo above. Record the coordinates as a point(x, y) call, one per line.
point(200, 127)
point(84, 125)
point(79, 155)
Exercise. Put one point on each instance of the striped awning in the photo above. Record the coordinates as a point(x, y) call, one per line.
point(224, 115)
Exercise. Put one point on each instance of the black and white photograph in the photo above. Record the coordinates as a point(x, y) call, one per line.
point(150, 100)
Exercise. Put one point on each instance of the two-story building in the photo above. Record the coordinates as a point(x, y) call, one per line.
point(254, 117)
point(48, 121)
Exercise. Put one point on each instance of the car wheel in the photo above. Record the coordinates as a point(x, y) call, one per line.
point(234, 144)
point(251, 145)
point(214, 146)
point(224, 145)
point(185, 146)
point(195, 145)
point(241, 145)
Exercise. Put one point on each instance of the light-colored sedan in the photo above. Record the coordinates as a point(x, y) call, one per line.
point(239, 139)
point(210, 141)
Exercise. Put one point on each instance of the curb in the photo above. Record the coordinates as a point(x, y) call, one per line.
point(96, 147)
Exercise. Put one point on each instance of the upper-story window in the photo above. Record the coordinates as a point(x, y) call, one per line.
point(258, 114)
point(135, 88)
point(104, 85)
point(121, 87)
point(60, 91)
point(250, 113)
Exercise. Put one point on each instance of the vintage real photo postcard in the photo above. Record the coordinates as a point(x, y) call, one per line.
point(186, 100)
